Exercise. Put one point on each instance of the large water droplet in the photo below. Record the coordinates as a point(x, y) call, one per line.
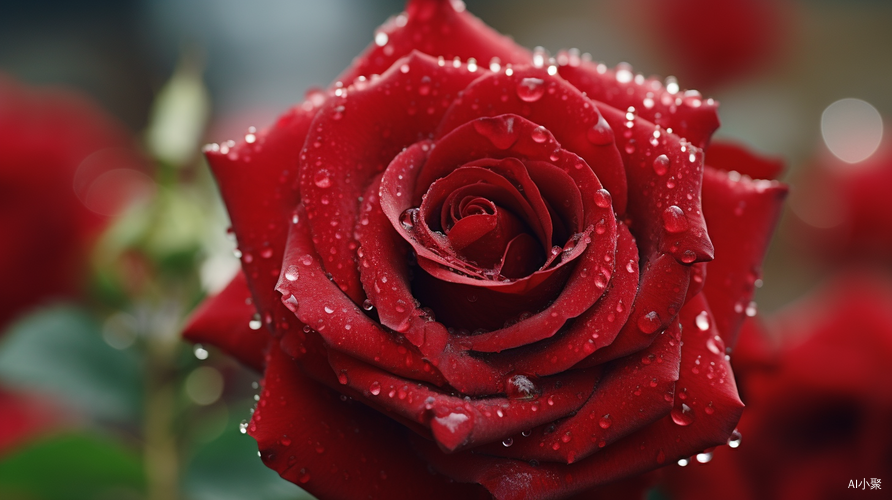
point(600, 134)
point(292, 273)
point(507, 442)
point(499, 130)
point(650, 322)
point(674, 219)
point(375, 388)
point(661, 164)
point(734, 440)
point(602, 198)
point(521, 387)
point(540, 135)
point(530, 89)
point(682, 415)
point(322, 179)
point(408, 218)
point(200, 352)
point(702, 321)
point(255, 323)
point(605, 422)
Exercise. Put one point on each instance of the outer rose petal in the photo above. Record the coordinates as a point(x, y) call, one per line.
point(223, 321)
point(338, 449)
point(257, 183)
point(729, 156)
point(439, 28)
point(687, 114)
point(741, 214)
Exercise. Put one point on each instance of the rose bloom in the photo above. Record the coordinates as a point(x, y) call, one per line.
point(716, 42)
point(843, 209)
point(66, 166)
point(818, 410)
point(468, 264)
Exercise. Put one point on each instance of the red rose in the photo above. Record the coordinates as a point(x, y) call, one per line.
point(818, 415)
point(843, 208)
point(713, 43)
point(66, 165)
point(481, 266)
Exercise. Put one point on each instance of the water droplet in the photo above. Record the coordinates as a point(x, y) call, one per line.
point(702, 321)
point(751, 309)
point(704, 457)
point(304, 477)
point(661, 164)
point(292, 273)
point(734, 440)
point(408, 218)
point(328, 309)
point(367, 305)
point(540, 55)
point(600, 134)
point(682, 416)
point(624, 72)
point(200, 352)
point(605, 422)
point(381, 39)
point(255, 323)
point(507, 442)
point(602, 198)
point(715, 345)
point(684, 462)
point(530, 89)
point(674, 219)
point(499, 130)
point(322, 179)
point(672, 85)
point(243, 427)
point(650, 322)
point(521, 387)
point(375, 388)
point(526, 433)
point(540, 135)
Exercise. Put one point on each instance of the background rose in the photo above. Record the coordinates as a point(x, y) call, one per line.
point(817, 406)
point(322, 232)
point(66, 166)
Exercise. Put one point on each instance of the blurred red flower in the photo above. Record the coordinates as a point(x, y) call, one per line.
point(818, 408)
point(66, 166)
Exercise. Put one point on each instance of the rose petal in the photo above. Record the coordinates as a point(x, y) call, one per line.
point(354, 136)
point(457, 422)
point(318, 303)
point(712, 409)
point(334, 448)
point(594, 329)
point(742, 214)
point(436, 28)
point(223, 321)
point(665, 176)
point(558, 106)
point(686, 113)
point(661, 294)
point(257, 183)
point(729, 157)
point(634, 392)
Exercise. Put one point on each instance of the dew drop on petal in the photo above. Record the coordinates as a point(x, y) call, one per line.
point(661, 165)
point(682, 416)
point(530, 89)
point(674, 220)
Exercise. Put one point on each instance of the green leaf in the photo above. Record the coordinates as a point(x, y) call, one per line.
point(60, 351)
point(228, 468)
point(72, 467)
